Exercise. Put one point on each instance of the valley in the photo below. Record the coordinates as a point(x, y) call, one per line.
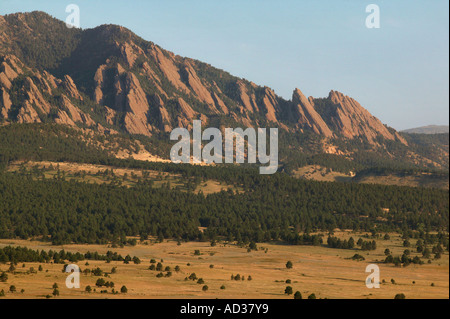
point(326, 272)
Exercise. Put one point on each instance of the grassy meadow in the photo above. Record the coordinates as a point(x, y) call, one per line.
point(326, 272)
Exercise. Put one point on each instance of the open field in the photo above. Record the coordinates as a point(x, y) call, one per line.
point(418, 180)
point(324, 271)
point(322, 174)
point(102, 174)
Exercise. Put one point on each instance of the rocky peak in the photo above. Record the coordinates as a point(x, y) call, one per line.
point(129, 52)
point(248, 100)
point(352, 120)
point(307, 117)
point(336, 97)
point(271, 106)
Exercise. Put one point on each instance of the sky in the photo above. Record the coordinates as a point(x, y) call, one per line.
point(399, 72)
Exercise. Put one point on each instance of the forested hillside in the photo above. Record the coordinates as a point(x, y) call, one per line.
point(270, 208)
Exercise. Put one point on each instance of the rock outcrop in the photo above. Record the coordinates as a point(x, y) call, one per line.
point(164, 119)
point(5, 103)
point(136, 100)
point(248, 100)
point(168, 67)
point(35, 106)
point(35, 97)
point(4, 81)
point(306, 116)
point(76, 115)
point(27, 114)
point(352, 120)
point(139, 88)
point(271, 106)
point(71, 88)
point(9, 71)
point(131, 98)
point(197, 86)
point(99, 79)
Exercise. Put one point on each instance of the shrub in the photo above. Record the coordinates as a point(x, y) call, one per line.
point(288, 291)
point(297, 295)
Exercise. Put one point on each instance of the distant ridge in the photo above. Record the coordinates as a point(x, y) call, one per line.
point(429, 129)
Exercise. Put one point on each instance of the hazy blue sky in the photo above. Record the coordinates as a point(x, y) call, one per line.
point(399, 72)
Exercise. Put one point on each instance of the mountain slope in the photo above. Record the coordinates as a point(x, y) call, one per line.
point(110, 80)
point(429, 129)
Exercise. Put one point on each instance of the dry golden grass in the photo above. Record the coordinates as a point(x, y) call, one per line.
point(73, 168)
point(212, 186)
point(128, 176)
point(320, 270)
point(419, 180)
point(319, 173)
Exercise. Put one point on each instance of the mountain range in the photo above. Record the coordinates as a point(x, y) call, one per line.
point(112, 82)
point(429, 129)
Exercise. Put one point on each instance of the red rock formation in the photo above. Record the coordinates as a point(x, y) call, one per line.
point(168, 67)
point(220, 105)
point(271, 105)
point(197, 86)
point(27, 114)
point(163, 115)
point(99, 79)
point(136, 99)
point(70, 86)
point(5, 103)
point(307, 117)
point(4, 81)
point(154, 90)
point(34, 96)
point(249, 101)
point(352, 120)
